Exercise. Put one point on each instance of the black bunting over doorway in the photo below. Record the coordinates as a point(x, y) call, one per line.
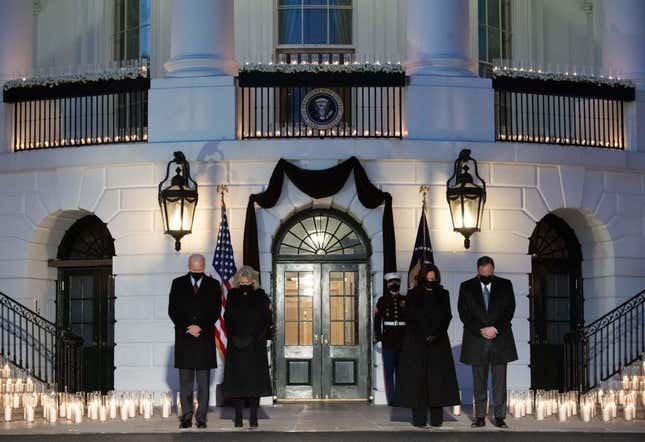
point(320, 184)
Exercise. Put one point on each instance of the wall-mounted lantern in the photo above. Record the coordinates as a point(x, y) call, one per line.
point(466, 196)
point(178, 199)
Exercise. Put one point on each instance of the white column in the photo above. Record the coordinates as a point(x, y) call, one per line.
point(16, 52)
point(16, 38)
point(623, 38)
point(438, 38)
point(202, 38)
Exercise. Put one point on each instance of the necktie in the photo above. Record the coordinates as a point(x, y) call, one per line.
point(195, 288)
point(486, 296)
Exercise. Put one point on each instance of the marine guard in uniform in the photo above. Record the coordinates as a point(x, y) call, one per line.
point(389, 329)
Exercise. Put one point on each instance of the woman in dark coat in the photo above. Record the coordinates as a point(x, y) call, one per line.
point(247, 319)
point(426, 374)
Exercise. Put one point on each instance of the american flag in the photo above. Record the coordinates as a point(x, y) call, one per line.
point(224, 265)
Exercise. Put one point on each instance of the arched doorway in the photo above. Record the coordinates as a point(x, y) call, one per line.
point(321, 278)
point(556, 297)
point(85, 298)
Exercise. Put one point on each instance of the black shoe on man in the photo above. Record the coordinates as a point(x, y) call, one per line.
point(185, 423)
point(499, 422)
point(478, 422)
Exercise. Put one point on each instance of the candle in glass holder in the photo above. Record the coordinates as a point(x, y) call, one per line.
point(562, 412)
point(16, 400)
point(112, 405)
point(630, 412)
point(124, 411)
point(30, 385)
point(625, 382)
point(165, 407)
point(517, 409)
point(179, 405)
point(132, 410)
point(102, 413)
point(29, 414)
point(635, 382)
point(539, 411)
point(7, 413)
point(586, 412)
point(78, 414)
point(606, 414)
point(6, 371)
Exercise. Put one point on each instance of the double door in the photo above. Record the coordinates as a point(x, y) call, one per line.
point(322, 332)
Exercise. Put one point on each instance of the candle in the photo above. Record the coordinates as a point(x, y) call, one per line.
point(112, 408)
point(517, 409)
point(562, 412)
point(179, 405)
point(625, 382)
point(165, 408)
point(63, 409)
point(124, 411)
point(132, 408)
point(102, 413)
point(606, 413)
point(540, 411)
point(7, 413)
point(52, 413)
point(630, 412)
point(29, 414)
point(78, 414)
point(586, 412)
point(16, 400)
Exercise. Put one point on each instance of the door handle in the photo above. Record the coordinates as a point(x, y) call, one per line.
point(315, 339)
point(323, 340)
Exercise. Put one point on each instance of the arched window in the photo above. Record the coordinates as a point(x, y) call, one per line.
point(320, 234)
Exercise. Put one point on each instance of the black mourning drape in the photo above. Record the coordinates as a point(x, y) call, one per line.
point(320, 184)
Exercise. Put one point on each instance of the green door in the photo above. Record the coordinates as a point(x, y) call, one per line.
point(86, 308)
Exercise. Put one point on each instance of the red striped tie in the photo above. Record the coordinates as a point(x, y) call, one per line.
point(195, 288)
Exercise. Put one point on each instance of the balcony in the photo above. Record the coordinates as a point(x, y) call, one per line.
point(322, 97)
point(102, 107)
point(563, 108)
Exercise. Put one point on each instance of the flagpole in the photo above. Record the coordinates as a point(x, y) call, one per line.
point(424, 189)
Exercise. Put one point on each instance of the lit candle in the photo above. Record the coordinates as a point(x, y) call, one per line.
point(7, 413)
point(124, 411)
point(562, 412)
point(102, 413)
point(29, 414)
point(78, 414)
point(517, 409)
point(131, 408)
point(165, 407)
point(586, 412)
point(456, 410)
point(540, 411)
point(630, 412)
point(112, 408)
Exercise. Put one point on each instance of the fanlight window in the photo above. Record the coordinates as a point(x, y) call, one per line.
point(321, 235)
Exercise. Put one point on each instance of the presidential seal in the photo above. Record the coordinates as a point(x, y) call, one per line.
point(322, 109)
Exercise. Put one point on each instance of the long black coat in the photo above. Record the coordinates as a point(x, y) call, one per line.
point(203, 309)
point(475, 349)
point(246, 371)
point(426, 374)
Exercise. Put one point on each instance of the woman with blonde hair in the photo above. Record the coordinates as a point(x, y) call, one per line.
point(247, 319)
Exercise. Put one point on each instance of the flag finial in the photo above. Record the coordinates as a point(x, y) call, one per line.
point(424, 190)
point(222, 189)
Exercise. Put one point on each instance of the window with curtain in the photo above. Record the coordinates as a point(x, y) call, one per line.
point(315, 22)
point(494, 33)
point(131, 29)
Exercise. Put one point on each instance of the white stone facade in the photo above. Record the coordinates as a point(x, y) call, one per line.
point(600, 193)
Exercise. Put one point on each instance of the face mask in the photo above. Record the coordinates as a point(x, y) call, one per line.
point(246, 287)
point(486, 279)
point(196, 276)
point(430, 284)
point(394, 288)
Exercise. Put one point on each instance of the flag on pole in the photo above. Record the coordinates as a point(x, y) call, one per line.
point(224, 265)
point(422, 253)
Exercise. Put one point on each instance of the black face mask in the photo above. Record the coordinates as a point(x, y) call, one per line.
point(430, 284)
point(246, 288)
point(196, 276)
point(486, 279)
point(394, 288)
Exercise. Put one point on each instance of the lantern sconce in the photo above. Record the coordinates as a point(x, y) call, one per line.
point(466, 196)
point(178, 199)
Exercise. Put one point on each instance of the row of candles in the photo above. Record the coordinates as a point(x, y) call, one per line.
point(74, 408)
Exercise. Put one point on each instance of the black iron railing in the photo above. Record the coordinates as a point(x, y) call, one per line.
point(600, 350)
point(77, 114)
point(31, 342)
point(560, 112)
point(269, 105)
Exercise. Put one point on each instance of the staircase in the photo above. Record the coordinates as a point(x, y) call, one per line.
point(602, 349)
point(35, 345)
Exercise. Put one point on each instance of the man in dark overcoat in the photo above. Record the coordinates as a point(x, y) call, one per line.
point(194, 307)
point(486, 306)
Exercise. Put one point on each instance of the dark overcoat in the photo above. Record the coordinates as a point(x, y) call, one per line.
point(475, 349)
point(246, 370)
point(426, 374)
point(186, 308)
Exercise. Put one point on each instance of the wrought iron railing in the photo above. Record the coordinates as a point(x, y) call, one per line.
point(79, 113)
point(600, 350)
point(32, 343)
point(560, 112)
point(270, 105)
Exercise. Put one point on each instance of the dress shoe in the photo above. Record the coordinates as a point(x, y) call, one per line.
point(421, 425)
point(253, 423)
point(479, 422)
point(499, 422)
point(201, 425)
point(185, 423)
